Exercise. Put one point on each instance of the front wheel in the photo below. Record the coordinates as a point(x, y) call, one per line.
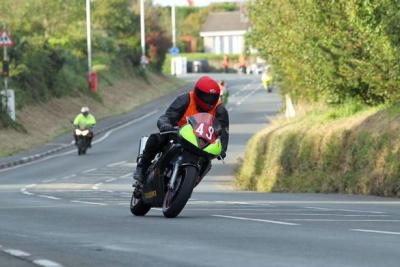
point(175, 200)
point(138, 207)
point(81, 147)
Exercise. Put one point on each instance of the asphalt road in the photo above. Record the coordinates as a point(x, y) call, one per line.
point(67, 210)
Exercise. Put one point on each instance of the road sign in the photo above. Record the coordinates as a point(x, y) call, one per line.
point(174, 51)
point(5, 39)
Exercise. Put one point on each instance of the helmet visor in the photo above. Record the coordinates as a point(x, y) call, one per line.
point(209, 99)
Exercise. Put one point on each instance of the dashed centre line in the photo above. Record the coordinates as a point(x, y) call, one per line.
point(25, 256)
point(16, 252)
point(46, 263)
point(90, 170)
point(255, 220)
point(116, 163)
point(375, 231)
point(87, 202)
point(49, 197)
point(349, 210)
point(68, 177)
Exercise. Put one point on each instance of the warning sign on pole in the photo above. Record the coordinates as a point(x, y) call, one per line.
point(5, 39)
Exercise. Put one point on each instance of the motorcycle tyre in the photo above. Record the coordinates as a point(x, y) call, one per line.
point(139, 208)
point(184, 192)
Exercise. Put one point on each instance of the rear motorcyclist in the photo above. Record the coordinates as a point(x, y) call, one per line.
point(85, 120)
point(266, 79)
point(203, 98)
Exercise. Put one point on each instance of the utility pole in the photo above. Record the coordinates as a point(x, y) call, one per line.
point(173, 18)
point(5, 61)
point(89, 36)
point(142, 35)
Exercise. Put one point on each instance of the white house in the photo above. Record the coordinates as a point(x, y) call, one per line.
point(223, 33)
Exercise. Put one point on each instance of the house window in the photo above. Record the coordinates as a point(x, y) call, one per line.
point(237, 43)
point(227, 48)
point(217, 44)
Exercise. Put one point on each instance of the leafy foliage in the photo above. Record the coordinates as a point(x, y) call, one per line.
point(331, 50)
point(49, 56)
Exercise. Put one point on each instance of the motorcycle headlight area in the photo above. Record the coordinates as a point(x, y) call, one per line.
point(81, 132)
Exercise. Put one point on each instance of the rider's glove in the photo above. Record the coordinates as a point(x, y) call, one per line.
point(166, 127)
point(223, 154)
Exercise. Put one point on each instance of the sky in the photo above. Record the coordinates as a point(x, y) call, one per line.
point(185, 2)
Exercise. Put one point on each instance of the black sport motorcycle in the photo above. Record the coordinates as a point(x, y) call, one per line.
point(82, 140)
point(180, 166)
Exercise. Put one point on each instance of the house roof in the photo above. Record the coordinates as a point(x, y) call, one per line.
point(225, 21)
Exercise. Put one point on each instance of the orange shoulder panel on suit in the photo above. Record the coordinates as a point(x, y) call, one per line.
point(192, 109)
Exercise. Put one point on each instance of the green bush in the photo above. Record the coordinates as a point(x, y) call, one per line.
point(331, 50)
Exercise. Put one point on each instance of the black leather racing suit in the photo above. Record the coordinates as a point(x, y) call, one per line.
point(172, 116)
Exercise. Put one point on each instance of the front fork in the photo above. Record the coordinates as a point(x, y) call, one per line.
point(175, 173)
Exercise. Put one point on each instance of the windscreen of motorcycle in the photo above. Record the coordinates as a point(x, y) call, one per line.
point(201, 131)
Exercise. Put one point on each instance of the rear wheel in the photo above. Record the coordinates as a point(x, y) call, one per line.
point(138, 207)
point(175, 200)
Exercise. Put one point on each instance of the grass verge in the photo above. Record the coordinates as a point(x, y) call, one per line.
point(344, 149)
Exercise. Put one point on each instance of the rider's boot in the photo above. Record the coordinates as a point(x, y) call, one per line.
point(140, 172)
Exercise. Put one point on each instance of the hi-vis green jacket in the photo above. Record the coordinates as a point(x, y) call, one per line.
point(83, 122)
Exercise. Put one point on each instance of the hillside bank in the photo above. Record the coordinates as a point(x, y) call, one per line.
point(347, 149)
point(43, 121)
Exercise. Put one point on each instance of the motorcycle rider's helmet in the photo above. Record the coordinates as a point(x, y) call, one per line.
point(85, 111)
point(206, 91)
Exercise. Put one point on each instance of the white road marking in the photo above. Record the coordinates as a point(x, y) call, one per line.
point(228, 209)
point(362, 211)
point(376, 231)
point(125, 125)
point(232, 202)
point(128, 175)
point(87, 202)
point(31, 185)
point(46, 263)
point(340, 220)
point(308, 214)
point(130, 164)
point(96, 186)
point(90, 170)
point(242, 89)
point(366, 202)
point(110, 180)
point(68, 177)
point(116, 164)
point(221, 202)
point(49, 180)
point(16, 253)
point(255, 220)
point(107, 191)
point(247, 96)
point(74, 150)
point(28, 193)
point(22, 254)
point(49, 197)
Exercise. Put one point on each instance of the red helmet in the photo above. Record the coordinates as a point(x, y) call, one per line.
point(206, 91)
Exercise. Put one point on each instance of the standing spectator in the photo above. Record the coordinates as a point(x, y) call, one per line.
point(224, 92)
point(226, 63)
point(242, 64)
